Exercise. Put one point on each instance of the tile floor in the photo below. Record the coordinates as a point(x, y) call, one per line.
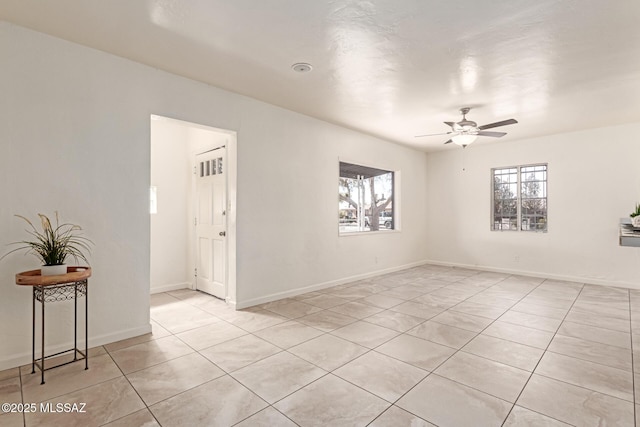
point(426, 346)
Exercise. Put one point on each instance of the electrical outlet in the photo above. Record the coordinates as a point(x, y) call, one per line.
point(516, 258)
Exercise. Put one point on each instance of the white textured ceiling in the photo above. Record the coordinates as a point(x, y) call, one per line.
point(391, 68)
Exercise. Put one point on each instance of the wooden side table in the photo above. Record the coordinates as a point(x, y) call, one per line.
point(72, 285)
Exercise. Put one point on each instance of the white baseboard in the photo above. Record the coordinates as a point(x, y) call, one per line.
point(172, 287)
point(566, 278)
point(319, 286)
point(25, 358)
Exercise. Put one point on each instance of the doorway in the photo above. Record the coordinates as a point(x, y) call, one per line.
point(187, 248)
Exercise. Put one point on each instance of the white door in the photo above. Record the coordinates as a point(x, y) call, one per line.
point(211, 223)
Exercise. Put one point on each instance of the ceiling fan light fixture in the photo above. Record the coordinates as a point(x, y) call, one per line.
point(463, 139)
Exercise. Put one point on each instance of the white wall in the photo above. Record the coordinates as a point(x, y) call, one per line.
point(593, 181)
point(75, 137)
point(170, 174)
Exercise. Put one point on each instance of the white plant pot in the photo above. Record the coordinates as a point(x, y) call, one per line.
point(53, 270)
point(636, 221)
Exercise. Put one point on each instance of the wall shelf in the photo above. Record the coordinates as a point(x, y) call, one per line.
point(629, 235)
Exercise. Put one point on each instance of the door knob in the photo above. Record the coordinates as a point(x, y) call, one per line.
point(222, 233)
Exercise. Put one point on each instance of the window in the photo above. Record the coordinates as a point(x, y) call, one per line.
point(365, 199)
point(520, 198)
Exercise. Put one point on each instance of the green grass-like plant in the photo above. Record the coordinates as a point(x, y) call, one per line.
point(52, 245)
point(636, 212)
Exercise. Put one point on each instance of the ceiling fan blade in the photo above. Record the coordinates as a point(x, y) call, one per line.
point(433, 134)
point(497, 124)
point(492, 134)
point(450, 124)
point(449, 141)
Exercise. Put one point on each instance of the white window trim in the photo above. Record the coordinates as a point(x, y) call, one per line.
point(518, 199)
point(397, 222)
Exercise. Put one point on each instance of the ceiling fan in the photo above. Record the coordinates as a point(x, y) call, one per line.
point(466, 131)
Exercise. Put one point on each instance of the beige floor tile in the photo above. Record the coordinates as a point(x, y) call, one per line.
point(365, 334)
point(11, 419)
point(326, 320)
point(331, 401)
point(496, 292)
point(151, 353)
point(194, 297)
point(405, 292)
point(268, 417)
point(523, 417)
point(175, 376)
point(328, 352)
point(288, 334)
point(10, 391)
point(239, 352)
point(351, 293)
point(520, 334)
point(206, 336)
point(381, 301)
point(381, 375)
point(325, 301)
point(446, 403)
point(68, 378)
point(503, 351)
point(603, 379)
point(460, 320)
point(180, 316)
point(453, 292)
point(105, 402)
point(9, 373)
point(548, 324)
point(292, 309)
point(424, 354)
point(163, 300)
point(593, 333)
point(416, 309)
point(157, 331)
point(396, 417)
point(278, 376)
point(551, 302)
point(437, 301)
point(492, 301)
point(222, 402)
point(253, 321)
point(616, 357)
point(393, 320)
point(442, 334)
point(356, 309)
point(602, 309)
point(142, 418)
point(306, 295)
point(496, 379)
point(479, 309)
point(575, 405)
point(600, 321)
point(540, 310)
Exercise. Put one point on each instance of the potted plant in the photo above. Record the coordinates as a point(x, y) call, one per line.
point(53, 245)
point(635, 216)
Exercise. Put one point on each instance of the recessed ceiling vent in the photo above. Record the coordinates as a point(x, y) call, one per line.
point(302, 67)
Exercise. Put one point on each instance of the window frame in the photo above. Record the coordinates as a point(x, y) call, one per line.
point(395, 199)
point(519, 199)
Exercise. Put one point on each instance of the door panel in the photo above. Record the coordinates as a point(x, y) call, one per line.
point(211, 222)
